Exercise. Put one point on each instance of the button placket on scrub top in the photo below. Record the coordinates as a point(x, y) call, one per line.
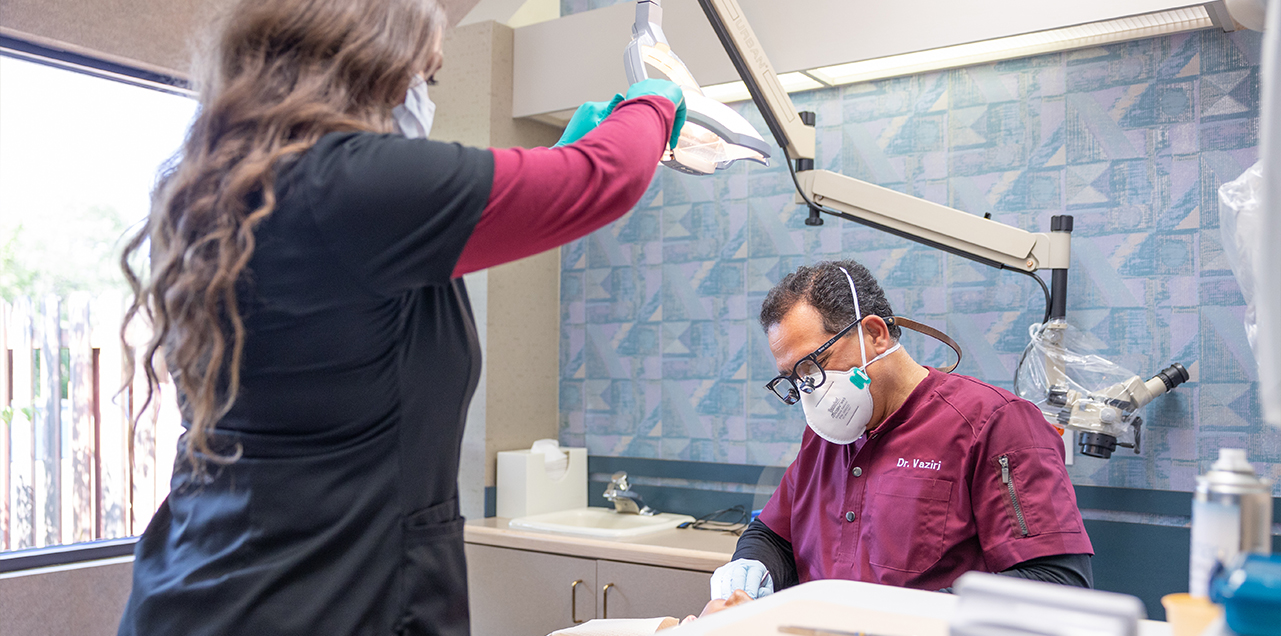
point(852, 500)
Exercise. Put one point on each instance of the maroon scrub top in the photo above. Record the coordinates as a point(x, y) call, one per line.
point(925, 497)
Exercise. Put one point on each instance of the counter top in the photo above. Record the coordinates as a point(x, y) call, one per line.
point(698, 550)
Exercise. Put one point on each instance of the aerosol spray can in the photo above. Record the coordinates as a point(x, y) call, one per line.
point(1231, 514)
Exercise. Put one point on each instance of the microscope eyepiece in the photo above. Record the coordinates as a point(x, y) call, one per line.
point(1173, 376)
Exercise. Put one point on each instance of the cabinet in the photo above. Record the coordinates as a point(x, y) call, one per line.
point(645, 591)
point(522, 593)
point(525, 593)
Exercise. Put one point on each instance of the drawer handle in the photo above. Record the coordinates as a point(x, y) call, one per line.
point(573, 601)
point(604, 600)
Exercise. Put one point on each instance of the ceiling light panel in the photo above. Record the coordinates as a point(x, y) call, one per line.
point(1007, 48)
point(1018, 46)
point(728, 92)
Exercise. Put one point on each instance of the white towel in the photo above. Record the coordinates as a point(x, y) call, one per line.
point(613, 627)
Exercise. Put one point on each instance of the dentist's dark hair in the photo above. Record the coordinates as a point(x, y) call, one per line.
point(276, 76)
point(825, 288)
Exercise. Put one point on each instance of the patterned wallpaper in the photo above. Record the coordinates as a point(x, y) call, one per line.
point(661, 355)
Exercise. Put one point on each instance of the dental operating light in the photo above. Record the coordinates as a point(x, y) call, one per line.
point(715, 136)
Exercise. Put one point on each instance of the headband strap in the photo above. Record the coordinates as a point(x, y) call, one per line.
point(931, 332)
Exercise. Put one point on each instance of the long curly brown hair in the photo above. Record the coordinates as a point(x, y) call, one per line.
point(276, 76)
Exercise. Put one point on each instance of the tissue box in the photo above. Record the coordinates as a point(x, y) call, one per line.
point(524, 488)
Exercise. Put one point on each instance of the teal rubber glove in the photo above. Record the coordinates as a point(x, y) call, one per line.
point(672, 92)
point(587, 118)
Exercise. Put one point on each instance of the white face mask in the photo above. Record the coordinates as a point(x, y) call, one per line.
point(840, 409)
point(414, 117)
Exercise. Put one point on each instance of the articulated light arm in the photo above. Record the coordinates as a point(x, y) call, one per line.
point(939, 226)
point(953, 231)
point(730, 25)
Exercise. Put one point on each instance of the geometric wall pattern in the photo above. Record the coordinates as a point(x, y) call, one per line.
point(661, 354)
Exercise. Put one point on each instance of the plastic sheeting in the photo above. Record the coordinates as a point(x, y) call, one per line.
point(1240, 222)
point(1059, 345)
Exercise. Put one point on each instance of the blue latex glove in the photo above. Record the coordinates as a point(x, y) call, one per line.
point(672, 92)
point(586, 118)
point(748, 575)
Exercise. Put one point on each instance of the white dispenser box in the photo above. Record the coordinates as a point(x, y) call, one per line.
point(525, 486)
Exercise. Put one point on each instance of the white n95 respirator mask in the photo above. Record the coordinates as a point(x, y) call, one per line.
point(840, 409)
point(413, 118)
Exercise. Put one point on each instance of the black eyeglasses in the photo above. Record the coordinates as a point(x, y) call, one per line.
point(807, 374)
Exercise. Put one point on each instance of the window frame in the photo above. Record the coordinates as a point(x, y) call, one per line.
point(68, 60)
point(24, 559)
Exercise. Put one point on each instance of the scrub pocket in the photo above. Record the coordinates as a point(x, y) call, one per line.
point(1038, 497)
point(435, 573)
point(906, 523)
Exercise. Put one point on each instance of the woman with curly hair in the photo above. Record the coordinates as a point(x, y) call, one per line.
point(304, 291)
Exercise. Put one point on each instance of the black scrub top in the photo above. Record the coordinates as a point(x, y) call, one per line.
point(361, 357)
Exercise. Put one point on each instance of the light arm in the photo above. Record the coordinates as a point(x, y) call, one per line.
point(948, 229)
point(749, 59)
point(951, 230)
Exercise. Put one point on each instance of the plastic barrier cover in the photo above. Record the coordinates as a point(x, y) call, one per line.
point(1059, 345)
point(1240, 222)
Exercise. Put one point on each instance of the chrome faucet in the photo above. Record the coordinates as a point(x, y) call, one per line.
point(626, 500)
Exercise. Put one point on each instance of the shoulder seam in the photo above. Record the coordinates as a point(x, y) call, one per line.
point(974, 428)
point(996, 411)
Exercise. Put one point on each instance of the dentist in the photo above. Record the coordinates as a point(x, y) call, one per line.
point(907, 475)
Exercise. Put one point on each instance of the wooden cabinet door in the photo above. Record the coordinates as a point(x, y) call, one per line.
point(522, 593)
point(646, 591)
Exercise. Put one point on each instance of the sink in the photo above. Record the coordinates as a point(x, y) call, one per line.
point(601, 523)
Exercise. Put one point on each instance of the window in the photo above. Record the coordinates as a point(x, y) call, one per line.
point(80, 147)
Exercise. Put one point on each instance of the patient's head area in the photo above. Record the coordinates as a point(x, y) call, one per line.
point(718, 604)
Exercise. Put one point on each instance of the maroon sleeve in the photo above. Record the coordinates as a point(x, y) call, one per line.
point(546, 197)
point(1022, 497)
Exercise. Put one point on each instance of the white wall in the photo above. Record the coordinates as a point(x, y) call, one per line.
point(517, 305)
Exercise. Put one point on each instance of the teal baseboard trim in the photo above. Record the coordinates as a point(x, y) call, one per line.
point(1144, 560)
point(1141, 560)
point(1136, 500)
